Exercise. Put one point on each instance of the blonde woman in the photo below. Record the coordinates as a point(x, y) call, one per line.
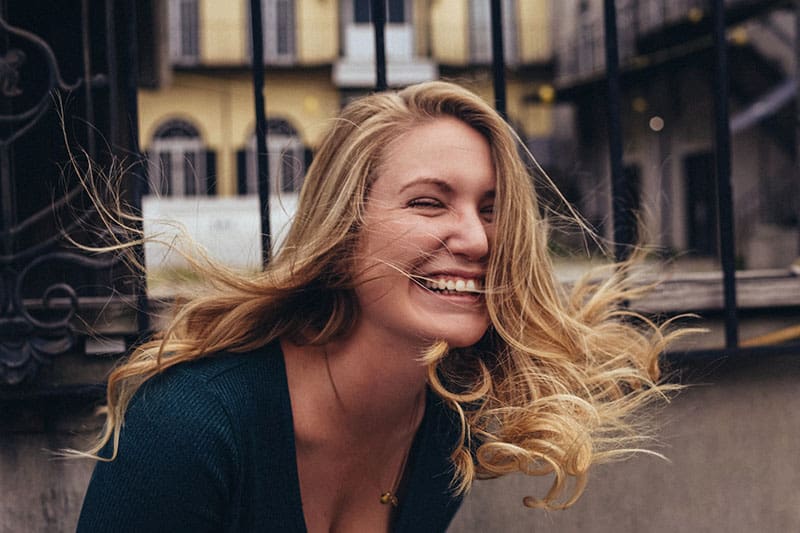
point(408, 338)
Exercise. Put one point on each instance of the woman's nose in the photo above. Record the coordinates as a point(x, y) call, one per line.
point(469, 236)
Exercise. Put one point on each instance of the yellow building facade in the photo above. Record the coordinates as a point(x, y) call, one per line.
point(198, 128)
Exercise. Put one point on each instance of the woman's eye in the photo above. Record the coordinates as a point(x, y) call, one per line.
point(425, 203)
point(487, 212)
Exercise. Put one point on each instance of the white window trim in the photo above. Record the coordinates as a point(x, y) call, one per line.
point(186, 153)
point(273, 32)
point(181, 28)
point(283, 151)
point(480, 32)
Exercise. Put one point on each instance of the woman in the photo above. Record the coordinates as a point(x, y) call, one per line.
point(408, 338)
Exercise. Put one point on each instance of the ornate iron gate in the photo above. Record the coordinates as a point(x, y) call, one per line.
point(67, 75)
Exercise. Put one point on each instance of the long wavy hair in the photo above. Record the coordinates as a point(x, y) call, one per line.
point(551, 388)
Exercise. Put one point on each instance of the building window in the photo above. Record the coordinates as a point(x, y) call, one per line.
point(287, 160)
point(395, 11)
point(480, 41)
point(184, 32)
point(178, 163)
point(278, 21)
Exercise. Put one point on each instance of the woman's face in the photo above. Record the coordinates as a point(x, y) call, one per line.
point(428, 229)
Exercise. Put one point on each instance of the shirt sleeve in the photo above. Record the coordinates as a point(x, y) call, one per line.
point(175, 468)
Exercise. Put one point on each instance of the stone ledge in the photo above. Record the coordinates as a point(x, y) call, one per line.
point(755, 289)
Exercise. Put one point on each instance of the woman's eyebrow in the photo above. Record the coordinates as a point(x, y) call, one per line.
point(437, 182)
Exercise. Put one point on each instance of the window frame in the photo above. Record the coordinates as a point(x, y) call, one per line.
point(184, 32)
point(176, 161)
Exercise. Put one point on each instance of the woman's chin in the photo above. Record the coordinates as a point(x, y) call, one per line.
point(464, 339)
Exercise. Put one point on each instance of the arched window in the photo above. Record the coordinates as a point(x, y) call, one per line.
point(287, 160)
point(178, 162)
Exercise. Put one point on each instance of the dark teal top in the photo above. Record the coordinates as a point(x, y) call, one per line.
point(209, 446)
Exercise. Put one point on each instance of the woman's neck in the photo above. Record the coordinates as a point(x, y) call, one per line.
point(364, 388)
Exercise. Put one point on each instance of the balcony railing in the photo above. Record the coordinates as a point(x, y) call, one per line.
point(637, 20)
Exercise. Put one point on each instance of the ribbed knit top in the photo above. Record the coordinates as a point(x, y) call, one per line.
point(209, 446)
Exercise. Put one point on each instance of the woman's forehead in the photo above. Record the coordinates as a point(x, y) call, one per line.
point(443, 153)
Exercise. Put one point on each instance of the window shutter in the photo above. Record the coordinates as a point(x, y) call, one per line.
point(241, 172)
point(146, 168)
point(211, 172)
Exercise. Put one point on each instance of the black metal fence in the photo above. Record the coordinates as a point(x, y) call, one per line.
point(64, 74)
point(87, 60)
point(623, 217)
point(637, 16)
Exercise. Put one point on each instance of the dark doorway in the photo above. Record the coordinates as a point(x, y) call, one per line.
point(701, 203)
point(632, 197)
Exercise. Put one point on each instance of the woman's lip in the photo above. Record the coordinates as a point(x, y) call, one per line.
point(453, 274)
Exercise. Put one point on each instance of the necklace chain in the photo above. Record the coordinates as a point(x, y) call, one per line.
point(389, 497)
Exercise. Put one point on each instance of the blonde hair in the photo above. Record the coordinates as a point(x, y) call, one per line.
point(552, 385)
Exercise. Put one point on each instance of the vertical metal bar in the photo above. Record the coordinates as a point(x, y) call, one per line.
point(7, 183)
point(130, 71)
point(620, 192)
point(722, 154)
point(379, 25)
point(8, 200)
point(498, 58)
point(113, 73)
point(87, 78)
point(262, 158)
point(797, 95)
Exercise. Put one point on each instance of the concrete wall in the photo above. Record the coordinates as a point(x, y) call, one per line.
point(731, 439)
point(228, 229)
point(732, 442)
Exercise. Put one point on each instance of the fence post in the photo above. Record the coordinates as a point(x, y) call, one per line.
point(128, 73)
point(379, 25)
point(262, 157)
point(620, 193)
point(797, 96)
point(498, 58)
point(722, 153)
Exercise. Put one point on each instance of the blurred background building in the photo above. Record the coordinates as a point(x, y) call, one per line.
point(67, 315)
point(666, 59)
point(197, 122)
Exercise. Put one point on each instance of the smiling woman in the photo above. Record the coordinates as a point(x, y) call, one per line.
point(408, 338)
point(428, 224)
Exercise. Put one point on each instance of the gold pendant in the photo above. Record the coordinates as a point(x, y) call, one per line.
point(389, 498)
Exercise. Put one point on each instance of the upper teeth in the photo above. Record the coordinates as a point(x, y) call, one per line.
point(453, 284)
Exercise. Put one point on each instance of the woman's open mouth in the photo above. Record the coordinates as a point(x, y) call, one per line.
point(448, 285)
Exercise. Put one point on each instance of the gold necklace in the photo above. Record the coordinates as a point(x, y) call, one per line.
point(389, 497)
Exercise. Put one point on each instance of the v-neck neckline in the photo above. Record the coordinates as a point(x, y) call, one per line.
point(413, 470)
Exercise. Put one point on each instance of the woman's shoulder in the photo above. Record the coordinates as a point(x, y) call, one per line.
point(239, 383)
point(253, 365)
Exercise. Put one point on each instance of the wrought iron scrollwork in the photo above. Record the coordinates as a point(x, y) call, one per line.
point(26, 340)
point(33, 329)
point(9, 72)
point(10, 79)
